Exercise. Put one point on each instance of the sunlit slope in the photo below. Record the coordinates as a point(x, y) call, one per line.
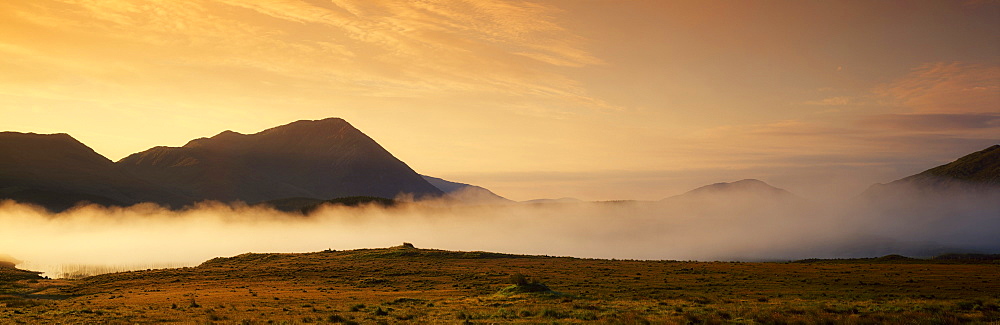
point(417, 286)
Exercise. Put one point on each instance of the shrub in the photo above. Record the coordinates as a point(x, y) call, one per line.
point(518, 279)
point(522, 284)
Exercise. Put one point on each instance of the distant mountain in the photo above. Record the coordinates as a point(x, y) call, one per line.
point(565, 200)
point(739, 198)
point(979, 169)
point(742, 187)
point(320, 159)
point(465, 192)
point(56, 171)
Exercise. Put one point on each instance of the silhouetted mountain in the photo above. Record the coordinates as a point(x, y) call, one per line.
point(465, 192)
point(56, 171)
point(312, 159)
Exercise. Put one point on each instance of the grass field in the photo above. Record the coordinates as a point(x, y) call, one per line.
point(418, 286)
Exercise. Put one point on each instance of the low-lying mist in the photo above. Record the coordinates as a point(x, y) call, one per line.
point(94, 239)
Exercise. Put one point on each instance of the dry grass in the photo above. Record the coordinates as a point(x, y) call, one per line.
point(407, 285)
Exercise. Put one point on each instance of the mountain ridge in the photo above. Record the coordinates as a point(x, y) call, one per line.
point(322, 159)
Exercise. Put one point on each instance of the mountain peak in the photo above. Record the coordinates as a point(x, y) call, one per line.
point(331, 122)
point(329, 128)
point(227, 134)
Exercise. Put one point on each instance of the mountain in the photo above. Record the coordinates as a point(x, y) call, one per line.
point(954, 205)
point(56, 171)
point(978, 170)
point(465, 192)
point(320, 159)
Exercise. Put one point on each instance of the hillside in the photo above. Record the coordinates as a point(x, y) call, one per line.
point(320, 159)
point(981, 167)
point(975, 171)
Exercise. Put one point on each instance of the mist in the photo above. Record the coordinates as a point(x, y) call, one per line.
point(93, 239)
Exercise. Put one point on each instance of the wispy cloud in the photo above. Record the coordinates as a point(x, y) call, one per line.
point(937, 111)
point(375, 48)
point(944, 87)
point(833, 101)
point(933, 122)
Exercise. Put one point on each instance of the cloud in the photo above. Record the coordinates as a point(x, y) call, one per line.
point(832, 101)
point(933, 122)
point(943, 87)
point(936, 112)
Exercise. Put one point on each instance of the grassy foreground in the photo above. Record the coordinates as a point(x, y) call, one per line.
point(409, 285)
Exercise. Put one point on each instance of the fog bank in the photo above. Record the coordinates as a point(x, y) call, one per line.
point(707, 228)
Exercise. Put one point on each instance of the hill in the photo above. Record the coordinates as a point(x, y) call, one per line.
point(56, 171)
point(409, 285)
point(319, 159)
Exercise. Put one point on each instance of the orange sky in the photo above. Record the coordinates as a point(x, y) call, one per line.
point(597, 99)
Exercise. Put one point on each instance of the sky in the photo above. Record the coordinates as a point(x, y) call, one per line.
point(593, 99)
